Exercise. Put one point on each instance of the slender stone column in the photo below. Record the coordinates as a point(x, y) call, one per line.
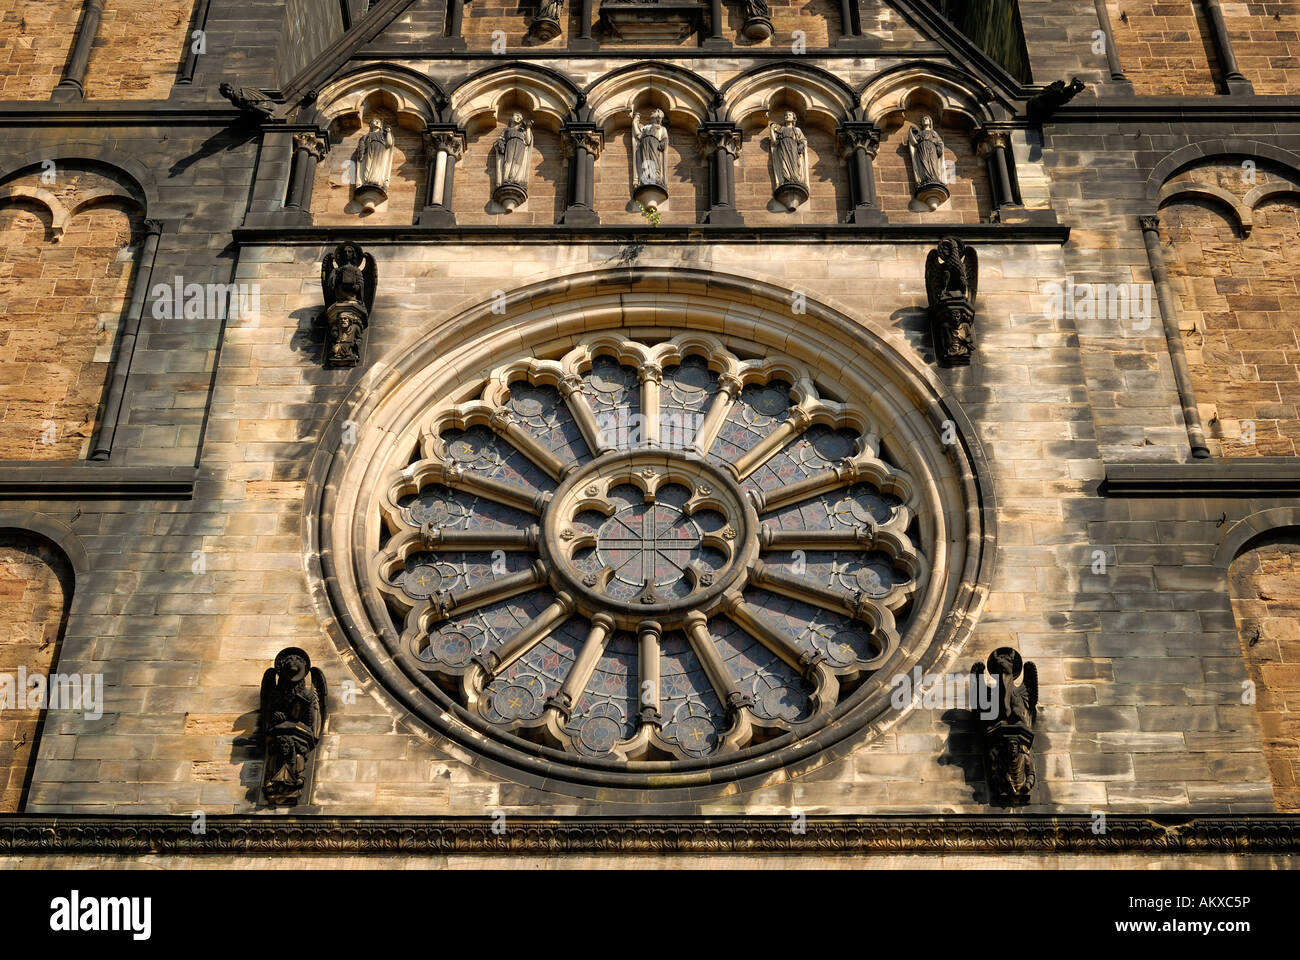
point(582, 144)
point(444, 145)
point(715, 39)
point(721, 144)
point(71, 86)
point(455, 24)
point(583, 41)
point(1173, 336)
point(1112, 54)
point(858, 143)
point(126, 350)
point(308, 150)
point(1232, 76)
point(199, 24)
point(648, 634)
point(850, 25)
point(994, 147)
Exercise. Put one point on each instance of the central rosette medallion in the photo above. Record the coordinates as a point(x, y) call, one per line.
point(648, 535)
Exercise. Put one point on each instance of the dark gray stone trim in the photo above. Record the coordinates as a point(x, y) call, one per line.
point(22, 113)
point(1218, 478)
point(55, 480)
point(939, 834)
point(675, 233)
point(1226, 109)
point(430, 51)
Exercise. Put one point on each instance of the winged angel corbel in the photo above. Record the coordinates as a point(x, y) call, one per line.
point(951, 281)
point(348, 278)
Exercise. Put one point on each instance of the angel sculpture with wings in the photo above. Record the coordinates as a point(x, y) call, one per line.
point(348, 278)
point(1008, 726)
point(292, 719)
point(951, 280)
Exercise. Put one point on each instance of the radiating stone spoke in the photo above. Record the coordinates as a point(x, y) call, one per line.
point(441, 538)
point(506, 426)
point(707, 432)
point(579, 675)
point(458, 478)
point(493, 661)
point(571, 391)
point(444, 605)
point(706, 649)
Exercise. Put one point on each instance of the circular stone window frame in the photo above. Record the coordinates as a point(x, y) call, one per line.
point(956, 506)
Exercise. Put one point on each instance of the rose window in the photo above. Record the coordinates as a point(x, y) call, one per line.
point(634, 553)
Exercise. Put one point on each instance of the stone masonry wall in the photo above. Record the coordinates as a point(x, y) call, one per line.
point(1265, 584)
point(61, 301)
point(35, 587)
point(1140, 665)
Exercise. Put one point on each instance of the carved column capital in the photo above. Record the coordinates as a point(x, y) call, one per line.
point(713, 139)
point(583, 138)
point(451, 142)
point(1150, 222)
point(858, 136)
point(311, 143)
point(986, 141)
point(729, 384)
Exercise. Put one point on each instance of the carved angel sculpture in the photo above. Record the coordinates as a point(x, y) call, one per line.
point(951, 281)
point(348, 278)
point(1008, 726)
point(292, 718)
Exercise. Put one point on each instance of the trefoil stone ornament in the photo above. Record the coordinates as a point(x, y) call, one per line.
point(349, 277)
point(1008, 726)
point(372, 164)
point(292, 718)
point(513, 153)
point(951, 281)
point(649, 164)
point(789, 163)
point(925, 147)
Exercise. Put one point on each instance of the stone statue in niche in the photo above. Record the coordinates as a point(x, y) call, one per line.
point(546, 25)
point(649, 160)
point(348, 278)
point(292, 718)
point(758, 19)
point(372, 162)
point(951, 280)
point(925, 147)
point(1008, 726)
point(514, 153)
point(789, 162)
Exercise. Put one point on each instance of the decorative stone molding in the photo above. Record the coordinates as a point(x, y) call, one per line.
point(939, 834)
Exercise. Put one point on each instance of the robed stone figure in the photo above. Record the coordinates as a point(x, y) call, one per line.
point(789, 162)
point(925, 147)
point(373, 164)
point(649, 174)
point(513, 152)
point(292, 720)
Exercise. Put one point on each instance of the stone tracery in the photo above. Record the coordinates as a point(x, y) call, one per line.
point(644, 551)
